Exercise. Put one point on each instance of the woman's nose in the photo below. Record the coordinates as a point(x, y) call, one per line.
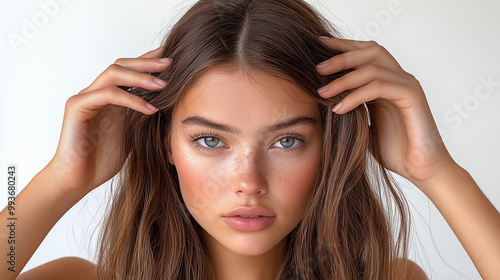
point(250, 175)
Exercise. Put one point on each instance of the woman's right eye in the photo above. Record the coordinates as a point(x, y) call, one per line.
point(210, 142)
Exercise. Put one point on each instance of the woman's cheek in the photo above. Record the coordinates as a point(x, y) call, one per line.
point(200, 180)
point(295, 181)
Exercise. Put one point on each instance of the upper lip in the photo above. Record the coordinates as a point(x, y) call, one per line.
point(249, 211)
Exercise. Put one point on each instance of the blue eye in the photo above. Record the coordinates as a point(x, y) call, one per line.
point(287, 142)
point(210, 142)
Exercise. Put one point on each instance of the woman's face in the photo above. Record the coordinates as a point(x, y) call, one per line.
point(250, 143)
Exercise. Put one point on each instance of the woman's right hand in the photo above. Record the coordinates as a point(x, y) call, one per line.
point(89, 151)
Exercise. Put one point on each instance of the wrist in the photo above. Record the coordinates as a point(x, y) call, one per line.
point(51, 178)
point(442, 179)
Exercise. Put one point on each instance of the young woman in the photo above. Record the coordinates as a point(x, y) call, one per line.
point(249, 154)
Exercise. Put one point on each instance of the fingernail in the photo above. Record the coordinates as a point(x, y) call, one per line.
point(337, 107)
point(160, 82)
point(151, 107)
point(323, 64)
point(165, 60)
point(323, 89)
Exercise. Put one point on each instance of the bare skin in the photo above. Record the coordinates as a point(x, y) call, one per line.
point(267, 159)
point(71, 174)
point(411, 145)
point(400, 114)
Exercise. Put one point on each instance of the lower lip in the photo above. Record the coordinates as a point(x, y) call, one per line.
point(249, 224)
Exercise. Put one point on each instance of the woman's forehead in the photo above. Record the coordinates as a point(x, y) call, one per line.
point(227, 83)
point(245, 99)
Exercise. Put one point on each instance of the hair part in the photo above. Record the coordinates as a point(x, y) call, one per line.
point(346, 233)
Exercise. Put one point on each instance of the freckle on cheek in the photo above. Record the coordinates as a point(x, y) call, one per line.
point(202, 189)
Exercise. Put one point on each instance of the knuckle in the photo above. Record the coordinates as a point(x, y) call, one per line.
point(111, 97)
point(119, 61)
point(72, 101)
point(115, 95)
point(416, 83)
point(372, 70)
point(342, 61)
point(378, 84)
point(341, 83)
point(337, 85)
point(111, 91)
point(378, 49)
point(411, 77)
point(127, 98)
point(113, 68)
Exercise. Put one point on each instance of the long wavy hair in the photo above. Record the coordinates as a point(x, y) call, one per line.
point(355, 225)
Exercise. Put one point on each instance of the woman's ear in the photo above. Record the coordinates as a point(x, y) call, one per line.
point(170, 157)
point(168, 147)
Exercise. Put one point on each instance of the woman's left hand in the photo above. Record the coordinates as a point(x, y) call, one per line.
point(407, 134)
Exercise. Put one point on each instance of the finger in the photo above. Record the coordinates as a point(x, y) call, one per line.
point(87, 105)
point(154, 53)
point(117, 75)
point(346, 45)
point(358, 78)
point(149, 65)
point(375, 54)
point(394, 92)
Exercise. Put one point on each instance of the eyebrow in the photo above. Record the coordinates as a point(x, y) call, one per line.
point(299, 120)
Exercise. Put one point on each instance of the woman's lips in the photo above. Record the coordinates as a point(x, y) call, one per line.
point(249, 219)
point(249, 224)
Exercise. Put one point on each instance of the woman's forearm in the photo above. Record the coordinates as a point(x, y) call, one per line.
point(37, 208)
point(471, 216)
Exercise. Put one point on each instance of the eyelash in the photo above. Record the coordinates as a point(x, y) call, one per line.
point(199, 136)
point(295, 136)
point(196, 137)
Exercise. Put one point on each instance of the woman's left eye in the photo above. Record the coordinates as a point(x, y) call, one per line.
point(287, 143)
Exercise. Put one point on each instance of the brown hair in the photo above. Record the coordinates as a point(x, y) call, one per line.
point(355, 224)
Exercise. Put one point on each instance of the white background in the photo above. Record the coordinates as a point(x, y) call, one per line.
point(51, 50)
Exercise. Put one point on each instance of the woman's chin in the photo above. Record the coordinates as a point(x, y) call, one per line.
point(249, 244)
point(248, 249)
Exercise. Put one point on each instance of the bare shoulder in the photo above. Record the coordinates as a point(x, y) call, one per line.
point(412, 270)
point(61, 269)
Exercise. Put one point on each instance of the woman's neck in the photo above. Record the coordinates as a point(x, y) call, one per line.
point(229, 265)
